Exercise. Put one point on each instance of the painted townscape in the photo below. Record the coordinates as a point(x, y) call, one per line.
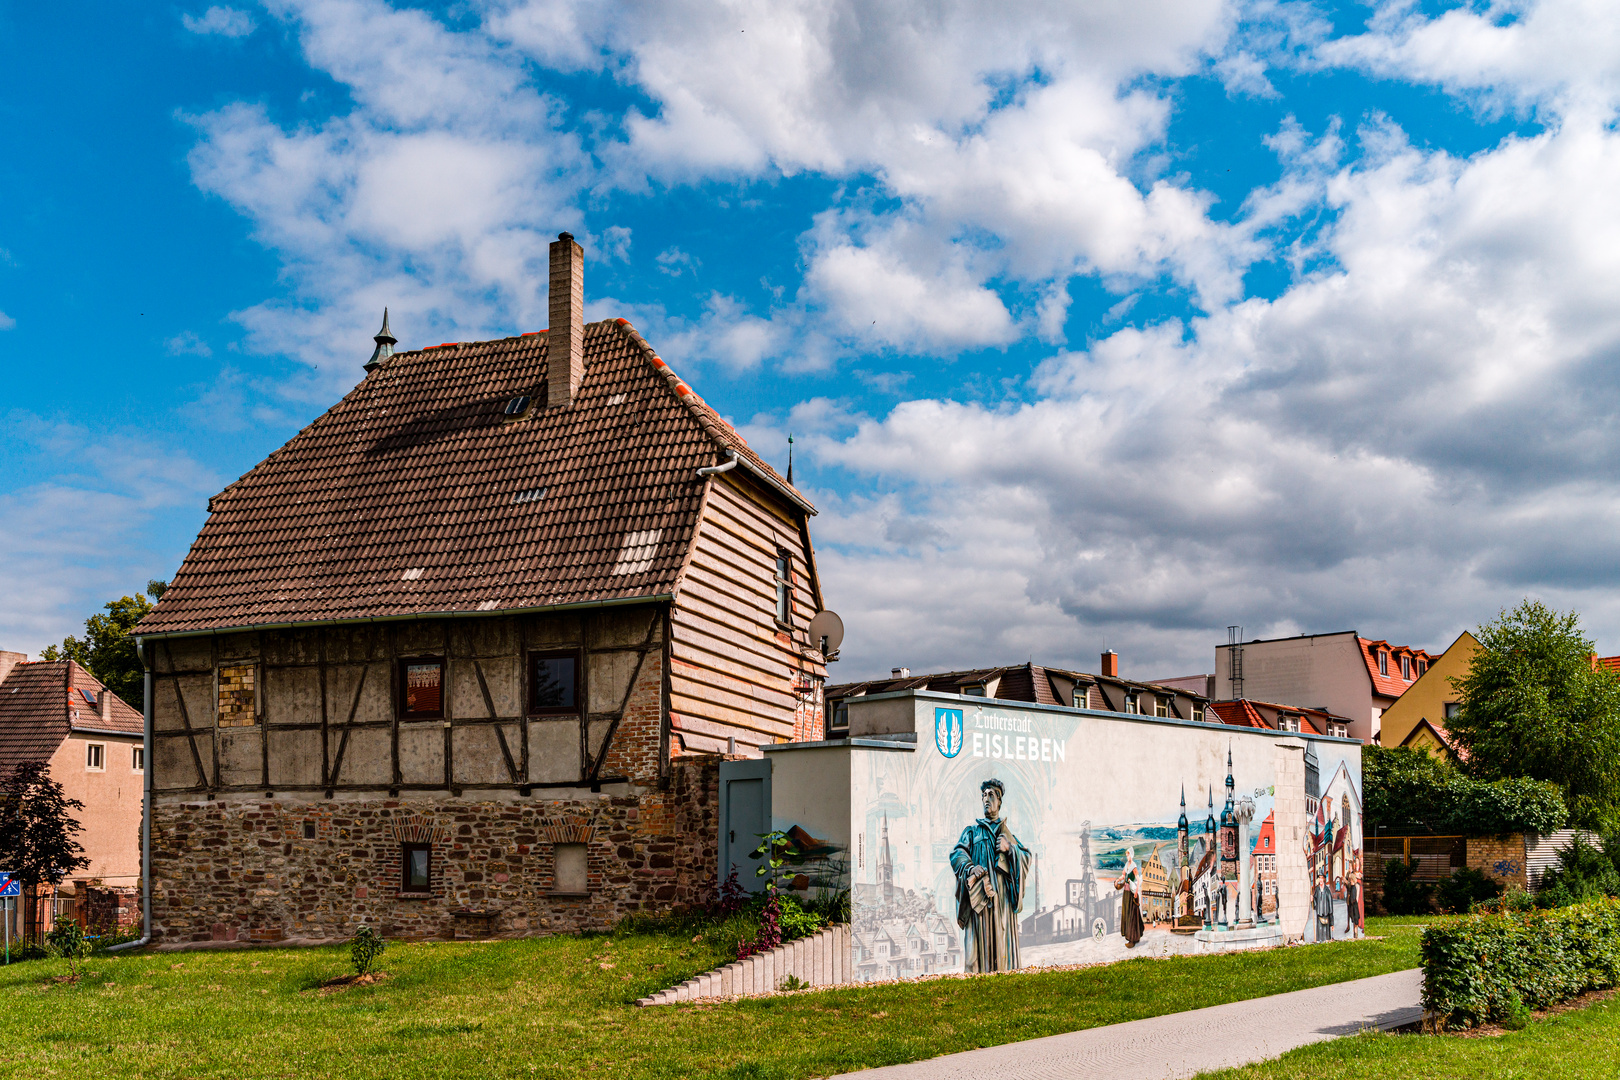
point(1036, 871)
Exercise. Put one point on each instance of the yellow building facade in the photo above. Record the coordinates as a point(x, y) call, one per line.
point(1428, 699)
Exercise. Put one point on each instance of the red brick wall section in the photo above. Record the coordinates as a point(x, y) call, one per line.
point(102, 908)
point(634, 749)
point(229, 870)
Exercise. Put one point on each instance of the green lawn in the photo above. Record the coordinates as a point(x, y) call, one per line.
point(561, 1007)
point(1570, 1046)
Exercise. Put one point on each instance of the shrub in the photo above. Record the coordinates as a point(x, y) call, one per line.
point(67, 940)
point(1475, 968)
point(1583, 873)
point(1408, 787)
point(1465, 888)
point(366, 947)
point(1402, 895)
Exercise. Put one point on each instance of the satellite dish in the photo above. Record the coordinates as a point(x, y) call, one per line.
point(827, 633)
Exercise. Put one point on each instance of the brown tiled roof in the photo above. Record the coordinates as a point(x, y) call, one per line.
point(40, 703)
point(414, 495)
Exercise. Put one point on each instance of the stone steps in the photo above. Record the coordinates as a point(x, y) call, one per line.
point(823, 959)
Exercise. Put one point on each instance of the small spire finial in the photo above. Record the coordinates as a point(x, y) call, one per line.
point(790, 460)
point(385, 346)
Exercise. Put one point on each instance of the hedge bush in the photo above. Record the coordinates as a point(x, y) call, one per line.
point(1408, 787)
point(1475, 968)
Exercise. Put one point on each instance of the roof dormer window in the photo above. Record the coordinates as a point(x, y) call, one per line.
point(1406, 668)
point(1383, 662)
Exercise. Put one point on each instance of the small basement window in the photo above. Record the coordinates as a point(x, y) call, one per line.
point(422, 689)
point(571, 875)
point(553, 682)
point(95, 757)
point(416, 870)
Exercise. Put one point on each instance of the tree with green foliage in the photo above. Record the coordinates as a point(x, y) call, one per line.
point(107, 649)
point(1534, 705)
point(1407, 788)
point(37, 825)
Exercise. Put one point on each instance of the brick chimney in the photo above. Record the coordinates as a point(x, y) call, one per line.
point(9, 660)
point(1110, 663)
point(565, 340)
point(104, 704)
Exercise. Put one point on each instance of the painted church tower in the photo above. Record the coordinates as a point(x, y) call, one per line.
point(885, 867)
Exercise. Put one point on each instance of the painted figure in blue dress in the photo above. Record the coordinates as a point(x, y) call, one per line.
point(991, 867)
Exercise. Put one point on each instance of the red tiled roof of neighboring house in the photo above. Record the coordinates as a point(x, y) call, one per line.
point(40, 703)
point(416, 495)
point(1609, 663)
point(1245, 712)
point(1392, 685)
point(1239, 713)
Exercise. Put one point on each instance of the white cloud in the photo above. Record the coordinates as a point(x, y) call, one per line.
point(187, 342)
point(1003, 143)
point(1402, 443)
point(1563, 55)
point(113, 491)
point(223, 21)
point(7, 322)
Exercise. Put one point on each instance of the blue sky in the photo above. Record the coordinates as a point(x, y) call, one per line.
point(1096, 326)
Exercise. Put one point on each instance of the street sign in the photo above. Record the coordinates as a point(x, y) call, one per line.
point(10, 886)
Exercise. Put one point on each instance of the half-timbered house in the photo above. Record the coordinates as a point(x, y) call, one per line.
point(464, 654)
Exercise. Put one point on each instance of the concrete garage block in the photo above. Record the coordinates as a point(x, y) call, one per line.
point(554, 751)
point(295, 757)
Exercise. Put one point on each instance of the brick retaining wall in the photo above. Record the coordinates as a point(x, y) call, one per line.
point(244, 870)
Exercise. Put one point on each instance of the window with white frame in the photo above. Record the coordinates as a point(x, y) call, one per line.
point(1161, 708)
point(1288, 722)
point(137, 759)
point(1198, 713)
point(95, 757)
point(1341, 731)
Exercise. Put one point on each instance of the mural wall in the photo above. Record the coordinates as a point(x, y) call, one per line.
point(1016, 837)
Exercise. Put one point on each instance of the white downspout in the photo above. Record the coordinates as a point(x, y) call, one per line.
point(713, 470)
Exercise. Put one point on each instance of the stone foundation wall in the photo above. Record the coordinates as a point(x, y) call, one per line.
point(237, 869)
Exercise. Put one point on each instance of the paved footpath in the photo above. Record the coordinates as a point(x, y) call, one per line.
point(1187, 1043)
